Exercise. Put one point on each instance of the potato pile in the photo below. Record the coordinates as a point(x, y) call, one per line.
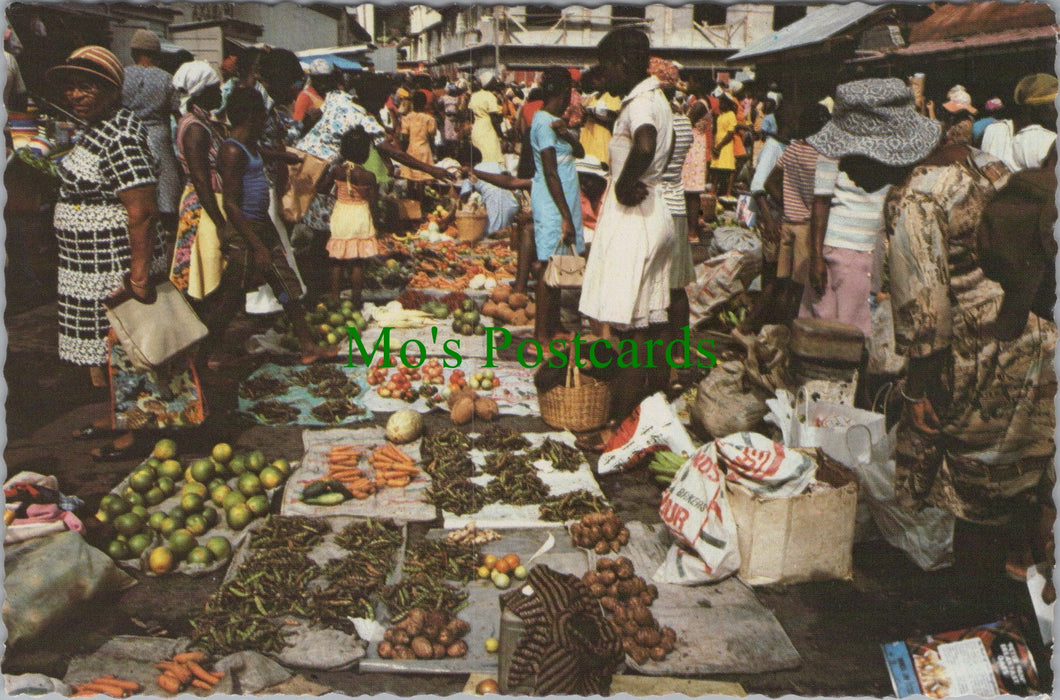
point(425, 634)
point(512, 309)
point(600, 532)
point(626, 600)
point(465, 404)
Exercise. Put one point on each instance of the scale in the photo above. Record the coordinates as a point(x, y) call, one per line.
point(900, 668)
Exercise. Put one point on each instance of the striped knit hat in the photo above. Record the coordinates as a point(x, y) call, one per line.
point(93, 60)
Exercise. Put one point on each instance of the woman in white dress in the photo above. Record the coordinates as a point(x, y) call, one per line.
point(627, 276)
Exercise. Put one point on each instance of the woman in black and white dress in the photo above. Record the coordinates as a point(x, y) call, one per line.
point(106, 219)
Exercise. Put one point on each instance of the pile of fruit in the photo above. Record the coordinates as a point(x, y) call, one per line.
point(425, 634)
point(185, 670)
point(626, 600)
point(399, 383)
point(224, 481)
point(467, 320)
point(600, 532)
point(501, 570)
point(390, 275)
point(511, 308)
point(328, 321)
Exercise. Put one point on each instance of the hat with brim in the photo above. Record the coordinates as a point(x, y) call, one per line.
point(1036, 89)
point(590, 165)
point(876, 118)
point(94, 61)
point(960, 101)
point(145, 40)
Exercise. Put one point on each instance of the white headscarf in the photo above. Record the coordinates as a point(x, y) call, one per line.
point(191, 79)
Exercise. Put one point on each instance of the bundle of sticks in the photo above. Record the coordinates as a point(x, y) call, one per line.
point(392, 467)
point(342, 467)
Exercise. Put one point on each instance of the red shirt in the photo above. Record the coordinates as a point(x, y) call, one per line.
point(530, 109)
point(589, 214)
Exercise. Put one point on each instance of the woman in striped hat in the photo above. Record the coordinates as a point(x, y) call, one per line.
point(106, 226)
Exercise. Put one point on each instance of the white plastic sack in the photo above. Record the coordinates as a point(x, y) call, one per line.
point(825, 425)
point(882, 357)
point(657, 425)
point(262, 300)
point(765, 467)
point(696, 510)
point(717, 280)
point(734, 238)
point(926, 536)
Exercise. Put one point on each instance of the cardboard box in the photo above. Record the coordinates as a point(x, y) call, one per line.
point(409, 209)
point(804, 538)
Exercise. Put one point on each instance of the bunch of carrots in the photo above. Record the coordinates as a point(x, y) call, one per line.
point(107, 685)
point(184, 670)
point(342, 467)
point(392, 467)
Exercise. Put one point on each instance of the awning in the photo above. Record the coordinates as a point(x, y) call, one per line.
point(819, 25)
point(334, 50)
point(335, 62)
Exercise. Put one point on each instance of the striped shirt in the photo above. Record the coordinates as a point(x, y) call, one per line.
point(675, 186)
point(855, 221)
point(799, 163)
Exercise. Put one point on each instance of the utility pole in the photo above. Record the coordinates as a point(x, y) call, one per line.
point(497, 10)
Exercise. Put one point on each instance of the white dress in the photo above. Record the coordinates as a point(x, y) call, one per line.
point(627, 276)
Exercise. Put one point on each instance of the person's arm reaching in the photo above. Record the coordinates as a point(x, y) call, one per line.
point(503, 180)
point(388, 149)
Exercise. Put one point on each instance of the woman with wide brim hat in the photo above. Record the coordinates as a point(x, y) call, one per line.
point(874, 133)
point(106, 227)
point(976, 434)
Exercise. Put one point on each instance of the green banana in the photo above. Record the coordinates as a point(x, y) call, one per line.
point(666, 464)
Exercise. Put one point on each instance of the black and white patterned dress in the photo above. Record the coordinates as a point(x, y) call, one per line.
point(91, 228)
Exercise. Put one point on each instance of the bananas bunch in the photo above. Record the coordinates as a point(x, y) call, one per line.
point(664, 466)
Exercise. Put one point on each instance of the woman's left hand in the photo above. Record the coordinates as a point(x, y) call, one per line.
point(567, 232)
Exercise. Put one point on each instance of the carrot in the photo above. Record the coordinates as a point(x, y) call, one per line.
point(179, 671)
point(201, 684)
point(99, 688)
point(83, 693)
point(217, 674)
point(120, 682)
point(200, 672)
point(168, 683)
point(104, 682)
point(391, 451)
point(400, 483)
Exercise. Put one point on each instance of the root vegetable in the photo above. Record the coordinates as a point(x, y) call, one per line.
point(531, 309)
point(386, 650)
point(131, 686)
point(422, 648)
point(445, 637)
point(597, 590)
point(439, 651)
point(196, 656)
point(457, 649)
point(602, 547)
point(648, 637)
point(486, 408)
point(463, 410)
point(501, 294)
point(604, 564)
point(518, 301)
point(646, 598)
point(667, 644)
point(201, 684)
point(168, 683)
point(657, 654)
point(201, 673)
point(179, 671)
point(623, 536)
point(640, 655)
point(403, 653)
point(458, 628)
point(608, 603)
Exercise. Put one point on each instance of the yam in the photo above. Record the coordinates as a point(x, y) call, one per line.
point(504, 312)
point(531, 310)
point(465, 392)
point(486, 408)
point(518, 301)
point(519, 318)
point(500, 294)
point(386, 650)
point(463, 410)
point(422, 648)
point(489, 308)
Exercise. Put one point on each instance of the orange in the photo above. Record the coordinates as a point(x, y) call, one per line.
point(161, 560)
point(490, 561)
point(512, 559)
point(502, 566)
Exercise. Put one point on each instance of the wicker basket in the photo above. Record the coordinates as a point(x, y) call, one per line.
point(582, 404)
point(470, 228)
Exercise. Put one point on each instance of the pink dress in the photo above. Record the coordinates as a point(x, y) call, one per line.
point(694, 172)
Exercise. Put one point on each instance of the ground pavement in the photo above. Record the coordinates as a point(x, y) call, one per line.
point(837, 627)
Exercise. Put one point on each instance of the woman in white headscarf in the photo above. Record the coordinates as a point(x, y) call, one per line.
point(197, 261)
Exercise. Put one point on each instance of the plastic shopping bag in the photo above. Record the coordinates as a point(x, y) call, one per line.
point(696, 510)
point(653, 425)
point(822, 424)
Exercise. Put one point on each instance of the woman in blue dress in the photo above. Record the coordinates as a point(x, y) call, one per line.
point(554, 196)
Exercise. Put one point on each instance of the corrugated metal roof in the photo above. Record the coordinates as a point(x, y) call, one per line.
point(950, 21)
point(980, 41)
point(814, 28)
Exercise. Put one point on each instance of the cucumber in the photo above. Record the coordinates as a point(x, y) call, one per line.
point(327, 499)
point(317, 488)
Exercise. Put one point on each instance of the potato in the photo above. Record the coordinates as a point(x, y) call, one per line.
point(458, 628)
point(604, 563)
point(422, 648)
point(486, 408)
point(439, 651)
point(657, 654)
point(602, 547)
point(500, 294)
point(457, 649)
point(489, 309)
point(519, 318)
point(531, 309)
point(463, 410)
point(606, 577)
point(403, 653)
point(386, 650)
point(453, 398)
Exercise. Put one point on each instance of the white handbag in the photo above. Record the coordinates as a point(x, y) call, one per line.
point(155, 331)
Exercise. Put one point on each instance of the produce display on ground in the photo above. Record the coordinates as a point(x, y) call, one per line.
point(186, 516)
point(339, 455)
point(510, 385)
point(482, 610)
point(318, 395)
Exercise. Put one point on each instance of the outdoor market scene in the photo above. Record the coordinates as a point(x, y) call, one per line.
point(530, 350)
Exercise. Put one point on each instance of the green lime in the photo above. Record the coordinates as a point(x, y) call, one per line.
point(161, 560)
point(141, 512)
point(220, 547)
point(191, 503)
point(222, 452)
point(282, 466)
point(256, 461)
point(154, 496)
point(169, 525)
point(270, 478)
point(234, 498)
point(118, 550)
point(238, 465)
point(154, 521)
point(154, 463)
point(239, 516)
point(202, 471)
point(258, 505)
point(113, 505)
point(178, 513)
point(249, 485)
point(165, 449)
point(141, 481)
point(211, 517)
point(139, 543)
point(134, 499)
point(167, 486)
point(195, 487)
point(171, 468)
point(196, 524)
point(182, 542)
point(200, 555)
point(218, 494)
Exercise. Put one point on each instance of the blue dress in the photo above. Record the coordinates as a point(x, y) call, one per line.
point(547, 219)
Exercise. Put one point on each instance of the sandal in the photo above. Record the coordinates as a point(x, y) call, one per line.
point(137, 449)
point(93, 432)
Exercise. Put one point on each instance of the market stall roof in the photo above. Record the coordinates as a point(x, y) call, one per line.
point(335, 50)
point(966, 20)
point(980, 42)
point(336, 62)
point(815, 27)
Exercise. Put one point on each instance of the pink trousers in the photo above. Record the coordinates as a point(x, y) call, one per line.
point(846, 294)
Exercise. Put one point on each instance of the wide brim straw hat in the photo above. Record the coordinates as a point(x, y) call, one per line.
point(1036, 89)
point(94, 61)
point(877, 118)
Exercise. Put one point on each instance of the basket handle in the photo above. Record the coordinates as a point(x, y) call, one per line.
point(573, 375)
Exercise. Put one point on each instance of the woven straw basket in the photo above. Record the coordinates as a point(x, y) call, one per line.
point(470, 228)
point(580, 405)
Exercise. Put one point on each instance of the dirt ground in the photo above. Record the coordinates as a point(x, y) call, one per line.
point(837, 627)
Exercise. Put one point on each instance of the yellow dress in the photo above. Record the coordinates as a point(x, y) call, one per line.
point(726, 159)
point(352, 227)
point(420, 128)
point(483, 136)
